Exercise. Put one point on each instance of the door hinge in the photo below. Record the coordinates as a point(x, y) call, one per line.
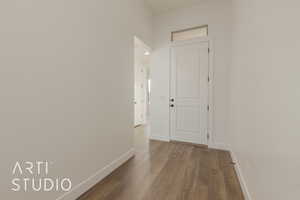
point(207, 136)
point(208, 79)
point(208, 107)
point(208, 50)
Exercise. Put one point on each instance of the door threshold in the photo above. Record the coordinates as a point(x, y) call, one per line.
point(204, 146)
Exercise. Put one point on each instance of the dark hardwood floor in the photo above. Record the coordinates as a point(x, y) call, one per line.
point(170, 171)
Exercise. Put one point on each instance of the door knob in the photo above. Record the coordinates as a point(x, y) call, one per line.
point(172, 100)
point(172, 105)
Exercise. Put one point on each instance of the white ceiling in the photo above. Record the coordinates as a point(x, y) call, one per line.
point(161, 6)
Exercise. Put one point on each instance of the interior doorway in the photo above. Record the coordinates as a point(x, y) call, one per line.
point(142, 82)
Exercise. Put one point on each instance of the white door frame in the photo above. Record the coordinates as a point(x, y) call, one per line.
point(210, 137)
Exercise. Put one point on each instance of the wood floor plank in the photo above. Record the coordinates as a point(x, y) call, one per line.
point(232, 184)
point(196, 176)
point(217, 190)
point(165, 184)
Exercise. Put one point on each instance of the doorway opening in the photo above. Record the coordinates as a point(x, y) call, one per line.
point(142, 90)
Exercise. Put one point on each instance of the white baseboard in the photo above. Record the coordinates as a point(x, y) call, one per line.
point(241, 177)
point(85, 185)
point(218, 145)
point(159, 137)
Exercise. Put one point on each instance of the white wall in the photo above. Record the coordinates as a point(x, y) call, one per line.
point(215, 13)
point(264, 101)
point(66, 82)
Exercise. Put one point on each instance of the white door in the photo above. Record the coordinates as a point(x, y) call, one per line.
point(189, 92)
point(141, 65)
point(140, 95)
point(143, 95)
point(137, 110)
